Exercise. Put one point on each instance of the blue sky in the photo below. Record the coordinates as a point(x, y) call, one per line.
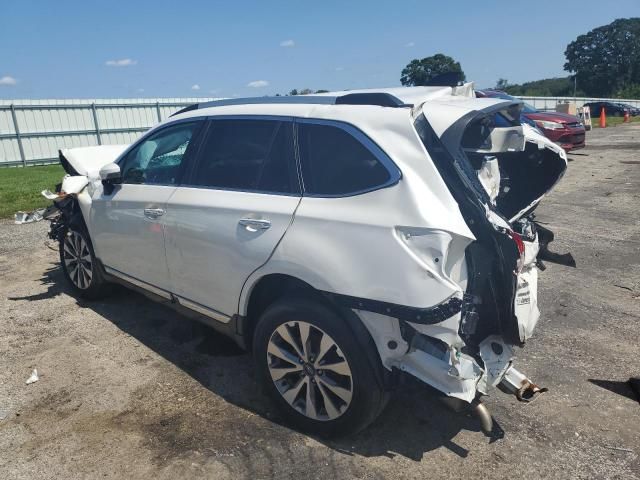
point(181, 48)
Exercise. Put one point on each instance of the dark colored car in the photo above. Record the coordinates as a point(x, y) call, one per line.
point(610, 108)
point(564, 129)
point(633, 111)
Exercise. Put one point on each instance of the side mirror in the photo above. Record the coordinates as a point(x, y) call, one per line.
point(110, 176)
point(110, 173)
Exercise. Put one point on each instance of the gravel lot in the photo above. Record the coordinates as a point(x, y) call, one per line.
point(128, 389)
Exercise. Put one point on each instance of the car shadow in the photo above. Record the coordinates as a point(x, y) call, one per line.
point(414, 422)
point(623, 389)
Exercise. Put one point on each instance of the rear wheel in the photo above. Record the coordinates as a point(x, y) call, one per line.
point(79, 264)
point(315, 370)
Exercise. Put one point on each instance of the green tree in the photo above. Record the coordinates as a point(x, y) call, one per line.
point(630, 91)
point(305, 91)
point(502, 84)
point(606, 59)
point(548, 87)
point(419, 72)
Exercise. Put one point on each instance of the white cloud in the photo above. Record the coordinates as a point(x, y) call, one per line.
point(287, 43)
point(7, 80)
point(195, 87)
point(339, 69)
point(410, 44)
point(258, 84)
point(123, 62)
point(141, 90)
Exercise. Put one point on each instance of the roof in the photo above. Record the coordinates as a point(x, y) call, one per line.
point(451, 103)
point(300, 105)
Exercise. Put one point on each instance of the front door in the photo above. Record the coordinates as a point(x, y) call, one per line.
point(230, 214)
point(127, 225)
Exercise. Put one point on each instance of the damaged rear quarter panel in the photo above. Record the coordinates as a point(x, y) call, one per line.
point(411, 256)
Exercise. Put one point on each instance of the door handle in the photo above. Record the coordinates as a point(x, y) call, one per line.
point(153, 212)
point(254, 224)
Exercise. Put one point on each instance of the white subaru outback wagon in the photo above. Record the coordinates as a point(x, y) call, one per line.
point(343, 238)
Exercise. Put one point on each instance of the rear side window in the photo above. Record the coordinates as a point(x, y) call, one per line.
point(252, 155)
point(334, 162)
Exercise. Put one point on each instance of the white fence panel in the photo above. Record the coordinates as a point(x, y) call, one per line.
point(32, 131)
point(45, 126)
point(549, 103)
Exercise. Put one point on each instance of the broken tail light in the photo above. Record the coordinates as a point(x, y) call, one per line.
point(517, 239)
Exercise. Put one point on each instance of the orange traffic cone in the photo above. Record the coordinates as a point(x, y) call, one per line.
point(626, 116)
point(603, 118)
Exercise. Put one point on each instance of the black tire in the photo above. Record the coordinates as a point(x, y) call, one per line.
point(368, 395)
point(91, 285)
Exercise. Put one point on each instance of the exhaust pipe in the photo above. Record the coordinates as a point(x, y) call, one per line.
point(481, 411)
point(478, 409)
point(517, 383)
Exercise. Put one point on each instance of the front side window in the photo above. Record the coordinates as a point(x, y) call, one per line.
point(334, 162)
point(158, 160)
point(248, 155)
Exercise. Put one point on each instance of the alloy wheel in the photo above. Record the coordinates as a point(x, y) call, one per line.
point(309, 370)
point(77, 260)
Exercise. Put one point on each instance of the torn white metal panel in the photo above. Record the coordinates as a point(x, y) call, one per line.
point(452, 372)
point(446, 331)
point(457, 380)
point(385, 332)
point(503, 139)
point(489, 176)
point(74, 183)
point(497, 357)
point(526, 301)
point(89, 160)
point(49, 195)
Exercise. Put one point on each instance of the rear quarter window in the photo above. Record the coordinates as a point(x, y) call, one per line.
point(336, 163)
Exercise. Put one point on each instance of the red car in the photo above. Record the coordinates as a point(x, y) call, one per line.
point(564, 129)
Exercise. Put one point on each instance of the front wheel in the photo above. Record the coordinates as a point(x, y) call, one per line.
point(315, 370)
point(79, 264)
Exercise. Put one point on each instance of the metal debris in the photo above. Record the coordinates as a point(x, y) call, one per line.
point(33, 378)
point(49, 195)
point(29, 217)
point(619, 449)
point(48, 213)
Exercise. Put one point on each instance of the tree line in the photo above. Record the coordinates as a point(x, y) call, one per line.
point(604, 62)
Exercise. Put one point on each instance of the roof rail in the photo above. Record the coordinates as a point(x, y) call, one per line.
point(379, 99)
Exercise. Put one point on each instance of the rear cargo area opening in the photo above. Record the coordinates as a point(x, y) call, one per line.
point(525, 177)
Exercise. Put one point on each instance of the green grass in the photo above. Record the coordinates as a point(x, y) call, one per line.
point(613, 121)
point(20, 187)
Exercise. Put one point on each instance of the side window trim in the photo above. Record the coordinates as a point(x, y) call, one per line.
point(395, 174)
point(197, 156)
point(189, 154)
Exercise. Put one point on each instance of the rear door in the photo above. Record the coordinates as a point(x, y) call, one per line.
point(232, 210)
point(127, 225)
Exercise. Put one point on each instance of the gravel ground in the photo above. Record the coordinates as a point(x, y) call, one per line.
point(129, 389)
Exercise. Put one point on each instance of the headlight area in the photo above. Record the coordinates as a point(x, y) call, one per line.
point(547, 125)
